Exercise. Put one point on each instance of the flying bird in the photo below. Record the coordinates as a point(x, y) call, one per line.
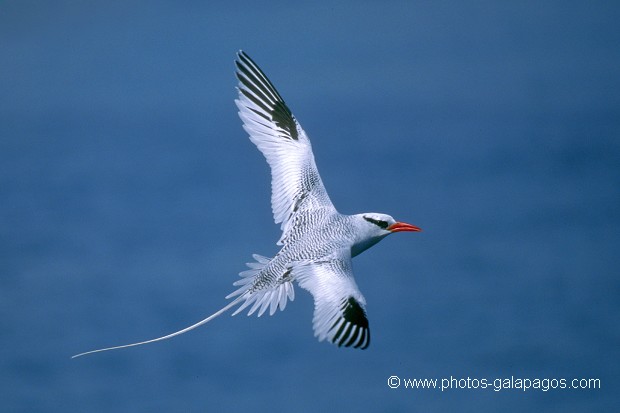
point(317, 242)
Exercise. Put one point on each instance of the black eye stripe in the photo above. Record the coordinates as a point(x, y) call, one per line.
point(377, 222)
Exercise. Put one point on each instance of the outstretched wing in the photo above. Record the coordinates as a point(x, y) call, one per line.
point(339, 307)
point(296, 186)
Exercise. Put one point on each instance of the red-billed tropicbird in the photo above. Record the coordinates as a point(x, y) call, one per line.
point(317, 241)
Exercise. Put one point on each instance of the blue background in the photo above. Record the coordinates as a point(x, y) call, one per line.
point(131, 198)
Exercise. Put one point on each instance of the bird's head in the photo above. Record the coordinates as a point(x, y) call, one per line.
point(373, 227)
point(382, 224)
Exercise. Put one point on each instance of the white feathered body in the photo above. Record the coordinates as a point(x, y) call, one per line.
point(269, 282)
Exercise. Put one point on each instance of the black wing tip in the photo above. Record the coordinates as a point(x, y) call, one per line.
point(351, 336)
point(257, 87)
point(244, 58)
point(355, 324)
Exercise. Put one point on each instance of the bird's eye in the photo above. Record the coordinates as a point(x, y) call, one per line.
point(377, 222)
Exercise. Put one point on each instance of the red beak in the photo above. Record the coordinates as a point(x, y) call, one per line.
point(403, 226)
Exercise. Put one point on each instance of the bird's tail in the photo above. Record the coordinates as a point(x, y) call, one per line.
point(177, 333)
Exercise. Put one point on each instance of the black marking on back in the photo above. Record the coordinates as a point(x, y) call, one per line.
point(299, 200)
point(287, 275)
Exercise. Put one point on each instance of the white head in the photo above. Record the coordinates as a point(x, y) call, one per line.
point(373, 227)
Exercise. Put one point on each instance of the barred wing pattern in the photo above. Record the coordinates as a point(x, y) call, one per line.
point(296, 186)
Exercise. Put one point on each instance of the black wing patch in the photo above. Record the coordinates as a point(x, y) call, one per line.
point(352, 328)
point(258, 89)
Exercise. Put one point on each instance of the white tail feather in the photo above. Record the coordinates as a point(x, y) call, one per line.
point(178, 333)
point(260, 300)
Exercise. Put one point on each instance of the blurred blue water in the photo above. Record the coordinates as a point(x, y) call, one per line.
point(131, 197)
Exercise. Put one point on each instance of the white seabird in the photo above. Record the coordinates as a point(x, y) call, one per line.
point(317, 241)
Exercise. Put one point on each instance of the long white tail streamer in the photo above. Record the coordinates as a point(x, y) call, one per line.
point(177, 333)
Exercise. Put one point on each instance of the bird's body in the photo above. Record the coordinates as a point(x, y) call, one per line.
point(317, 242)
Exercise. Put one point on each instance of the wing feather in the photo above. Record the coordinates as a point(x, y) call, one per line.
point(339, 307)
point(296, 186)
